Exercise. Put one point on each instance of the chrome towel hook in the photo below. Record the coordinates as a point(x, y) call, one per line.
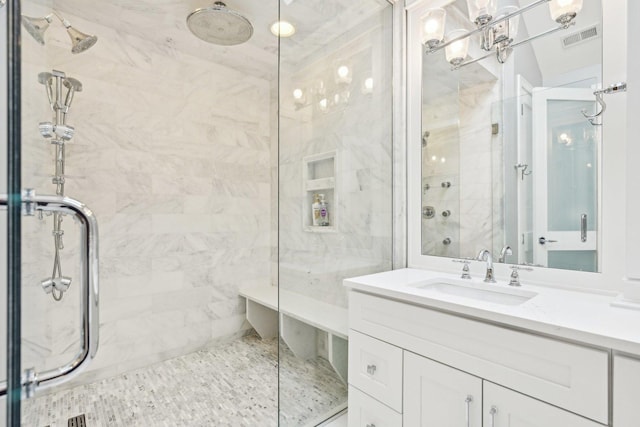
point(614, 88)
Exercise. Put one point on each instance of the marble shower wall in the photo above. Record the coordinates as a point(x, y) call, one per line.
point(172, 153)
point(478, 150)
point(441, 176)
point(314, 262)
point(460, 132)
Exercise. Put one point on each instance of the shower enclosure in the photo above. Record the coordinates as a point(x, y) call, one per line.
point(174, 172)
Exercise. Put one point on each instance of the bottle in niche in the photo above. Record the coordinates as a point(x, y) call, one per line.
point(324, 211)
point(315, 210)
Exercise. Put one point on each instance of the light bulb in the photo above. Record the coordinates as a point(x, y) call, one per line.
point(431, 26)
point(323, 104)
point(297, 93)
point(343, 71)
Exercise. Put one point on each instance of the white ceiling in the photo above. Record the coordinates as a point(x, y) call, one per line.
point(164, 22)
point(553, 59)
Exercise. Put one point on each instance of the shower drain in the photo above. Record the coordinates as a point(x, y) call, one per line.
point(77, 421)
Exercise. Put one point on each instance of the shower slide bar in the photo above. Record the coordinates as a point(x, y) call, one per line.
point(31, 203)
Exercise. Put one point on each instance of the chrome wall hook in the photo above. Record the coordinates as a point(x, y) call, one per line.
point(614, 88)
point(523, 170)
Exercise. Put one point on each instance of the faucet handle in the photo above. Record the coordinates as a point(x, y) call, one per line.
point(465, 267)
point(515, 277)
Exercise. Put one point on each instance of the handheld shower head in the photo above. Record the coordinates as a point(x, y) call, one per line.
point(73, 86)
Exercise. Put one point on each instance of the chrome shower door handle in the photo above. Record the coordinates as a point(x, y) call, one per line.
point(89, 293)
point(583, 228)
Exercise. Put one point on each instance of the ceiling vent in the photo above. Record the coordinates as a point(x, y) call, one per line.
point(581, 36)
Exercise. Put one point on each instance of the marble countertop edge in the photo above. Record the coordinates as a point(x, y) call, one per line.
point(575, 316)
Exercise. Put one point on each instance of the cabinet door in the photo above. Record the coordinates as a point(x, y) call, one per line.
point(436, 395)
point(505, 408)
point(626, 389)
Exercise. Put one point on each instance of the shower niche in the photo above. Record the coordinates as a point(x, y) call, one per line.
point(319, 199)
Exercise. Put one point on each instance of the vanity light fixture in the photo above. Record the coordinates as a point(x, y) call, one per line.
point(323, 104)
point(497, 28)
point(343, 75)
point(282, 29)
point(367, 86)
point(299, 98)
point(456, 51)
point(433, 27)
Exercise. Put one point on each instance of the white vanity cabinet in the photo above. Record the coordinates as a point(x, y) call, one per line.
point(440, 369)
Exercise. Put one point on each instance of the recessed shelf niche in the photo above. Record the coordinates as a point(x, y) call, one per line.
point(319, 176)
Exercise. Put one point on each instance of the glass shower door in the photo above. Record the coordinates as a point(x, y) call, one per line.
point(10, 217)
point(566, 176)
point(20, 206)
point(334, 190)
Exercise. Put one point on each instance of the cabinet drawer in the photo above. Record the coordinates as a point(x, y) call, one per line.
point(365, 411)
point(375, 368)
point(563, 374)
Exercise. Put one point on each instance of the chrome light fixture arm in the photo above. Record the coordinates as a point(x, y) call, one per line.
point(503, 51)
point(487, 25)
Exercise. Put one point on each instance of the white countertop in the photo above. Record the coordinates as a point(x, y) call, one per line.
point(574, 315)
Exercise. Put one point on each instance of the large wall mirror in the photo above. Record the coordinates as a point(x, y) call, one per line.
point(511, 144)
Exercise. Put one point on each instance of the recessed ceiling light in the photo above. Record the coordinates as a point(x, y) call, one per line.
point(282, 29)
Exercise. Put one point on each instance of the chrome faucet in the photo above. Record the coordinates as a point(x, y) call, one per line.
point(485, 255)
point(504, 253)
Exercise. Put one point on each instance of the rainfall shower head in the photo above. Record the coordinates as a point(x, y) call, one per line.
point(219, 25)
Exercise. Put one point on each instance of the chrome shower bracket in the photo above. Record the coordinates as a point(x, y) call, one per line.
point(614, 88)
point(59, 133)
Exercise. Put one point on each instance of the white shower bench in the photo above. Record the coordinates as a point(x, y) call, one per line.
point(300, 319)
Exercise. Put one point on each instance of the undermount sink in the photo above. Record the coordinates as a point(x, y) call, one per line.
point(478, 291)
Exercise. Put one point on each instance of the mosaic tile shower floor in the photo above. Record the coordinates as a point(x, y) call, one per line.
point(231, 385)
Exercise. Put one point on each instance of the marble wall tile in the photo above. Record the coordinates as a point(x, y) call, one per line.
point(460, 132)
point(359, 132)
point(173, 154)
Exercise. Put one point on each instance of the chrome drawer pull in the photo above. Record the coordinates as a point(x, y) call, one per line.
point(467, 403)
point(371, 425)
point(493, 412)
point(371, 369)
